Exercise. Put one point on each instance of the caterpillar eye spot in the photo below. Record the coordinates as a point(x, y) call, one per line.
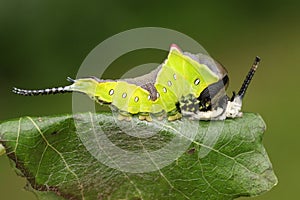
point(124, 95)
point(149, 97)
point(111, 92)
point(164, 90)
point(157, 95)
point(136, 99)
point(197, 81)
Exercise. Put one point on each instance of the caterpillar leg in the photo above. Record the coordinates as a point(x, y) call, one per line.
point(124, 116)
point(174, 115)
point(159, 116)
point(145, 116)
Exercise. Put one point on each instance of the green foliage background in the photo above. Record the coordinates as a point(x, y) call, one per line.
point(42, 42)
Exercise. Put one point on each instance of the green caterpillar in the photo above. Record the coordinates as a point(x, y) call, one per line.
point(185, 84)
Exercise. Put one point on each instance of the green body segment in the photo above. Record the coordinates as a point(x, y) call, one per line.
point(131, 98)
point(179, 76)
point(190, 71)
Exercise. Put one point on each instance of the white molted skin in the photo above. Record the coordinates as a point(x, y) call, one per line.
point(234, 107)
point(207, 115)
point(233, 110)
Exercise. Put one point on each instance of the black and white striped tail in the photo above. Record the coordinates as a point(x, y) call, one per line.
point(249, 77)
point(55, 90)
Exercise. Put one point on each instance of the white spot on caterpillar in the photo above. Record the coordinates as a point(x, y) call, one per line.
point(149, 97)
point(169, 83)
point(164, 89)
point(47, 90)
point(124, 95)
point(197, 81)
point(157, 95)
point(111, 92)
point(136, 99)
point(174, 76)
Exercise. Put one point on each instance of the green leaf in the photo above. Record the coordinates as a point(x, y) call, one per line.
point(66, 157)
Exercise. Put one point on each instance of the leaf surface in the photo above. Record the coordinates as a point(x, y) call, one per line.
point(78, 157)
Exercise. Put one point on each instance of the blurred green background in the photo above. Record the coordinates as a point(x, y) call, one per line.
point(42, 42)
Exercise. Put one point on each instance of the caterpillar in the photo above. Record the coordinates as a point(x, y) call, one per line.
point(185, 84)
